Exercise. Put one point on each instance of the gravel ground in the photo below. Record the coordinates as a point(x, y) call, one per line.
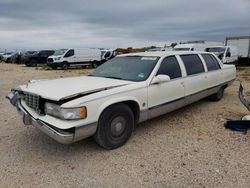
point(186, 148)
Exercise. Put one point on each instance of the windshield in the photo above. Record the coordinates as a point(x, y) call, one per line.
point(181, 49)
point(133, 68)
point(30, 52)
point(217, 49)
point(8, 53)
point(60, 52)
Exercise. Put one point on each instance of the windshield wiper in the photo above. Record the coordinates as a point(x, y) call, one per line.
point(113, 77)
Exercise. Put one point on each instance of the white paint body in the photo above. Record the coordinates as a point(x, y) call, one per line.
point(113, 91)
point(80, 56)
point(156, 95)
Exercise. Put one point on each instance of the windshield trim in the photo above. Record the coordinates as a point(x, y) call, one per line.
point(157, 58)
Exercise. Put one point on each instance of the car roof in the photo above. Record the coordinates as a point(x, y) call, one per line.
point(163, 53)
point(189, 45)
point(217, 46)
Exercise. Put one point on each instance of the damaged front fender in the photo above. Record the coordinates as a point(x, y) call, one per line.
point(243, 97)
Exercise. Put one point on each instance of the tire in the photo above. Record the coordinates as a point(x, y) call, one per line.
point(33, 63)
point(94, 64)
point(27, 64)
point(65, 65)
point(217, 96)
point(115, 126)
point(8, 60)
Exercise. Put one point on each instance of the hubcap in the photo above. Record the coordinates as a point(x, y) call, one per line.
point(117, 126)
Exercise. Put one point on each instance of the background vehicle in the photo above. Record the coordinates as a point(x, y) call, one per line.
point(189, 47)
point(7, 57)
point(74, 57)
point(243, 45)
point(25, 56)
point(39, 58)
point(16, 58)
point(227, 54)
point(108, 54)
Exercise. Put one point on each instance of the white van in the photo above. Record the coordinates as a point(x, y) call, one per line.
point(189, 47)
point(227, 54)
point(73, 57)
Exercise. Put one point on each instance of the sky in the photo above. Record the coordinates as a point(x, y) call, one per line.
point(51, 24)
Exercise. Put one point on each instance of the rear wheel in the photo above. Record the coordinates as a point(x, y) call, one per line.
point(33, 63)
point(28, 64)
point(217, 96)
point(115, 126)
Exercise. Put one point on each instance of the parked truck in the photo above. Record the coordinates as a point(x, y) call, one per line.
point(227, 54)
point(243, 45)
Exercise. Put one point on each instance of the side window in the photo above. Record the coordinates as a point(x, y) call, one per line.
point(211, 62)
point(51, 52)
point(69, 53)
point(193, 64)
point(228, 53)
point(41, 53)
point(170, 67)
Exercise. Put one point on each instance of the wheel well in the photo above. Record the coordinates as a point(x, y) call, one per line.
point(132, 105)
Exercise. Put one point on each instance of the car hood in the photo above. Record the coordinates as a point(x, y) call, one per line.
point(66, 88)
point(55, 56)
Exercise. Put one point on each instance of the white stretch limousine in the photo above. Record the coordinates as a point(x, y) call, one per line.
point(126, 90)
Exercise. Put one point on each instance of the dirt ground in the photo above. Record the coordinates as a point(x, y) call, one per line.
point(186, 148)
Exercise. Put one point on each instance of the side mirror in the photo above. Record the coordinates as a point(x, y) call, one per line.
point(160, 79)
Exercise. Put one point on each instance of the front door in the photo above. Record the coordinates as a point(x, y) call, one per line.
point(166, 96)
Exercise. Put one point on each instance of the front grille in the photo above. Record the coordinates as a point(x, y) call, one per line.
point(50, 60)
point(32, 101)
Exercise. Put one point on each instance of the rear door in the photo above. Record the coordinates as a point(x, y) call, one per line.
point(166, 96)
point(196, 78)
point(214, 73)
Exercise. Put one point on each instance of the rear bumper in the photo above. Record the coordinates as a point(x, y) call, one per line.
point(62, 136)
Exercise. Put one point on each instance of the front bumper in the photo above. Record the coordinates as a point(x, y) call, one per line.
point(62, 136)
point(54, 64)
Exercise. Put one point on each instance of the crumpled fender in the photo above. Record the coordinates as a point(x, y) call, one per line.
point(243, 97)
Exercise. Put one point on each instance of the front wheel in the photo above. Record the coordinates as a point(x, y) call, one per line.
point(217, 96)
point(115, 126)
point(65, 66)
point(94, 64)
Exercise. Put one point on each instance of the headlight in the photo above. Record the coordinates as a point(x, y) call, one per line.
point(57, 58)
point(65, 113)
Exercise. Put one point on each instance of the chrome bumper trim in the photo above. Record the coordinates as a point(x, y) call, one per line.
point(60, 135)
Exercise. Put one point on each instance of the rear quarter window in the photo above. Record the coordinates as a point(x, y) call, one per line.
point(211, 62)
point(193, 64)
